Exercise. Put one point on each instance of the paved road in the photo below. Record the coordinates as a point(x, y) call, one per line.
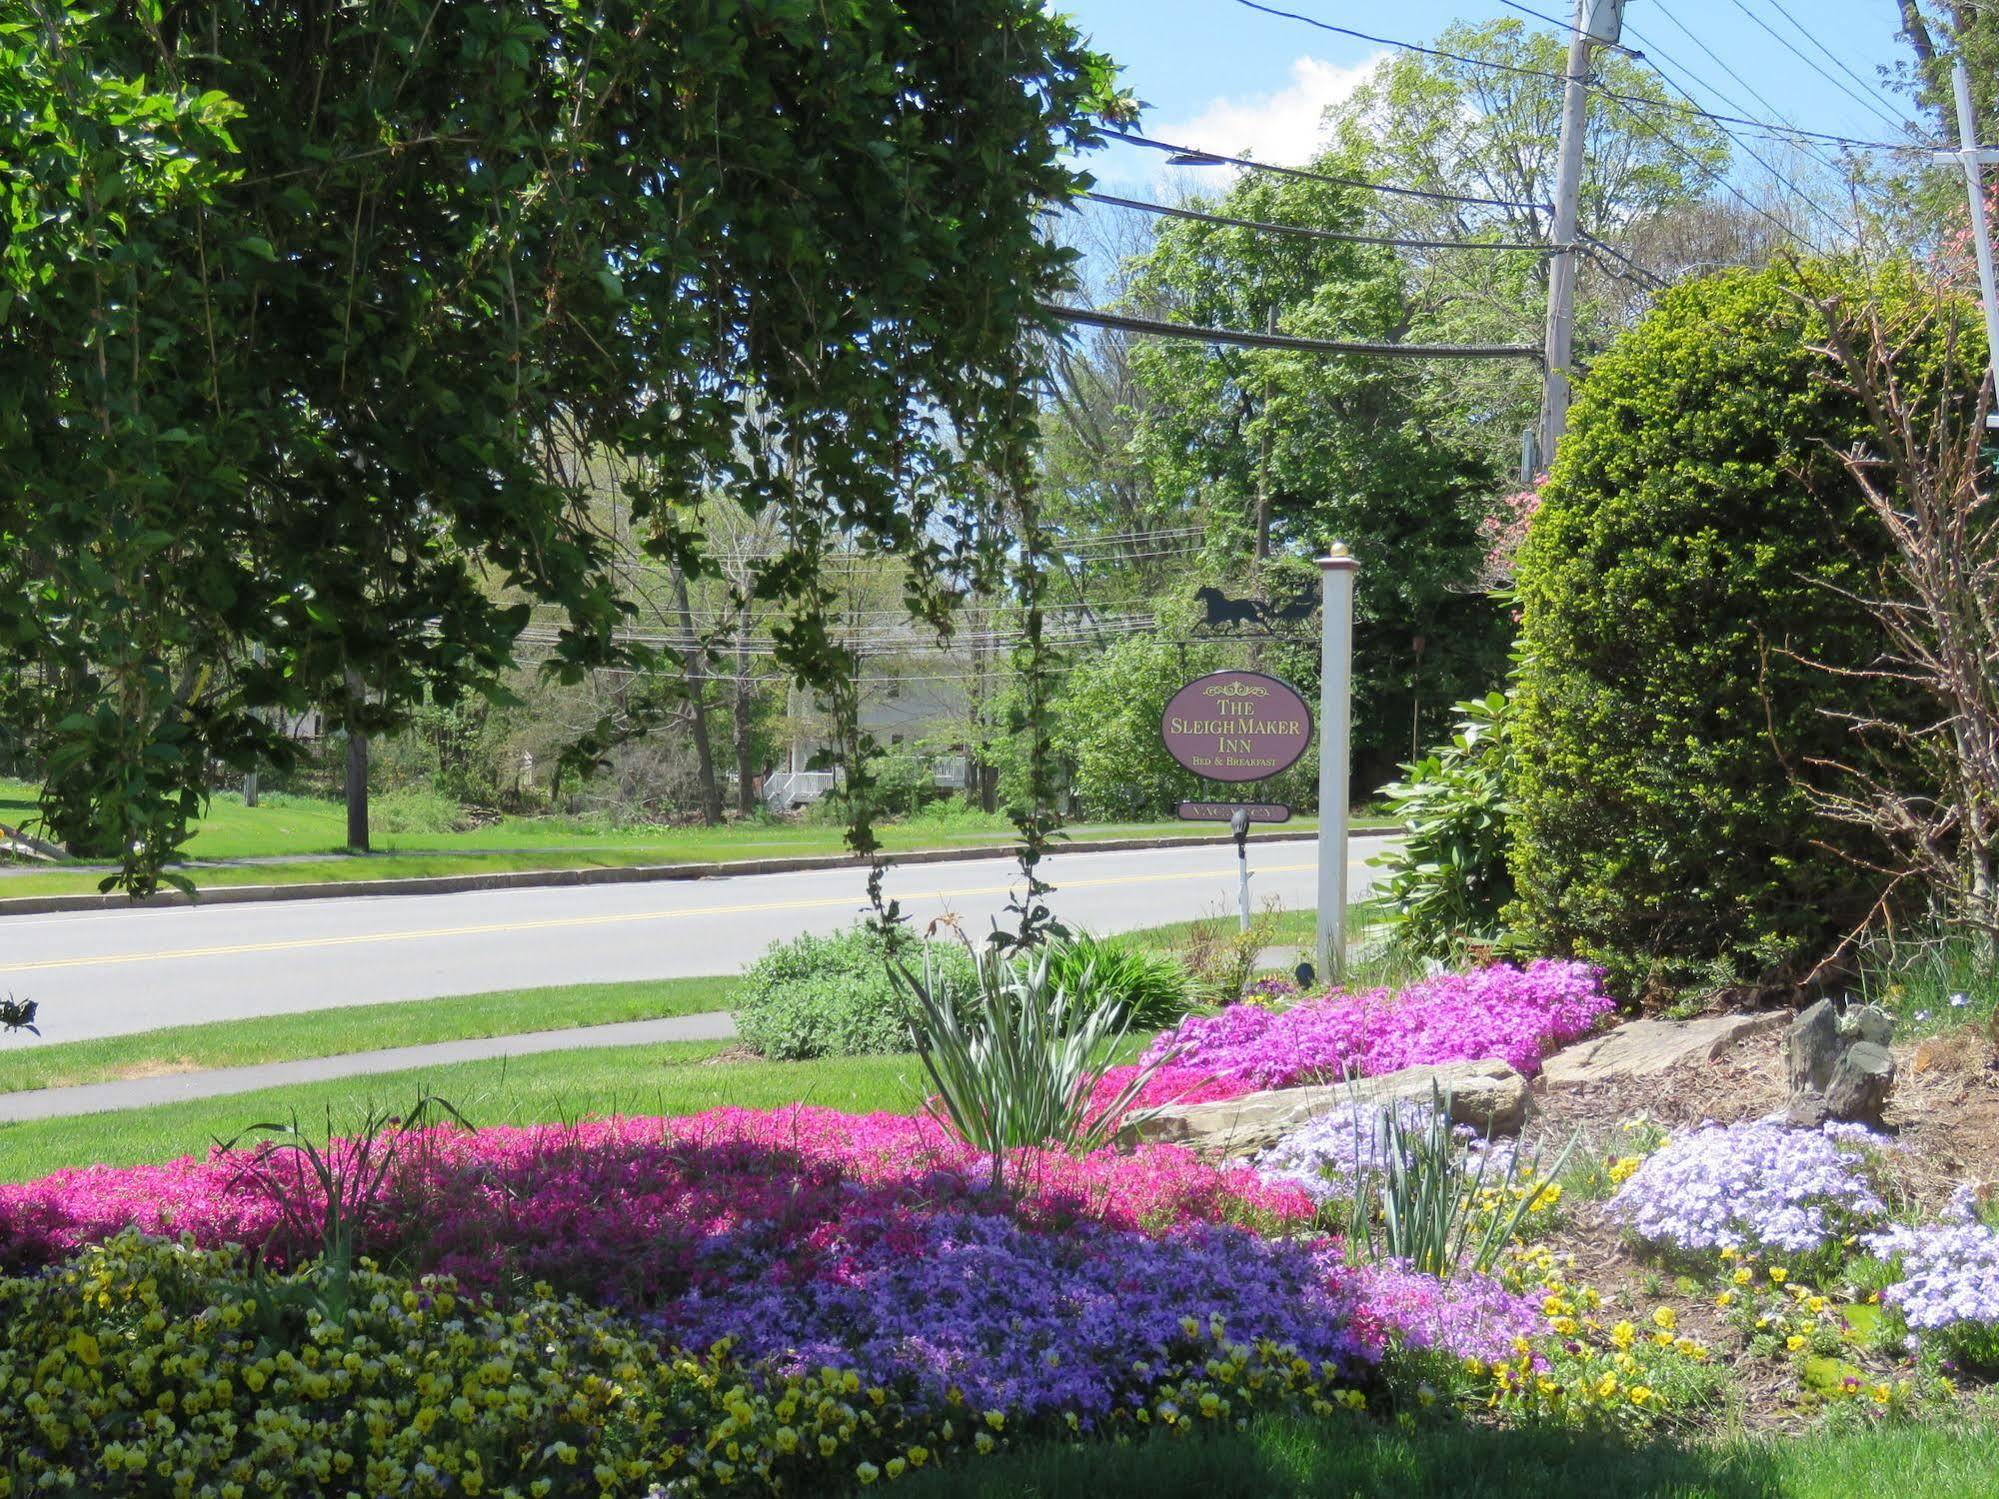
point(104, 973)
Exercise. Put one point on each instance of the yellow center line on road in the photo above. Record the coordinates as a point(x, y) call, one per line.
point(488, 929)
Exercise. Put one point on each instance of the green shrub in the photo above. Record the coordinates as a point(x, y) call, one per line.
point(1447, 882)
point(1150, 987)
point(834, 996)
point(1681, 597)
point(412, 809)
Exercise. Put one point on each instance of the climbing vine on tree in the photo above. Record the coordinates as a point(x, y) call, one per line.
point(306, 312)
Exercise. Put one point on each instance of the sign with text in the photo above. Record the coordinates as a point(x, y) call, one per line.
point(1236, 726)
point(1225, 811)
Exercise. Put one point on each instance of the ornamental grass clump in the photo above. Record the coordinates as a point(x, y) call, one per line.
point(1406, 1186)
point(1753, 1186)
point(1017, 1061)
point(1149, 987)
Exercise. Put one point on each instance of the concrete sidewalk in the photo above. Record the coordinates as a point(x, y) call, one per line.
point(139, 1093)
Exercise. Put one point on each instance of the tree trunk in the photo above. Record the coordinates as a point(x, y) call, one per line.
point(697, 706)
point(357, 772)
point(746, 796)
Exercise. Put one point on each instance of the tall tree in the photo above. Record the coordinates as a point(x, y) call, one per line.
point(1276, 452)
point(1489, 128)
point(298, 299)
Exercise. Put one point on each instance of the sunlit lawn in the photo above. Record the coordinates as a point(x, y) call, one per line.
point(300, 828)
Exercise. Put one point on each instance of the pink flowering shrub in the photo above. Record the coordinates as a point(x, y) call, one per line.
point(1517, 1015)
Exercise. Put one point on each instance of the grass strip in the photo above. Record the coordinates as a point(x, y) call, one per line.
point(681, 1077)
point(1303, 1459)
point(325, 1033)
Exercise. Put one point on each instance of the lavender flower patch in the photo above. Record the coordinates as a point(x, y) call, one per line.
point(1032, 1323)
point(1754, 1185)
point(1950, 1281)
point(1468, 1316)
point(1329, 1155)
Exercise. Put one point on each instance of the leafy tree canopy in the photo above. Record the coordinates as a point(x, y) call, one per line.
point(302, 307)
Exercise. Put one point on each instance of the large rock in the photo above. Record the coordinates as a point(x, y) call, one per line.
point(1650, 1048)
point(1860, 1083)
point(1489, 1097)
point(1812, 1048)
point(1839, 1066)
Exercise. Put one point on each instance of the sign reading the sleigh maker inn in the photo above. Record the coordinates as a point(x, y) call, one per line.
point(1236, 726)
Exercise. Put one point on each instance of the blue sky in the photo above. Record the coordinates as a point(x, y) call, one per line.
point(1230, 78)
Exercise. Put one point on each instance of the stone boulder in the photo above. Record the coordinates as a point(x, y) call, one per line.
point(1488, 1097)
point(1839, 1065)
point(1651, 1048)
point(1812, 1048)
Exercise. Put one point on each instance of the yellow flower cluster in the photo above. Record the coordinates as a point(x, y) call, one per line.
point(1590, 1369)
point(149, 1366)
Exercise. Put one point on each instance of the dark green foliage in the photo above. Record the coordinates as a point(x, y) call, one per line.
point(1149, 986)
point(308, 314)
point(1448, 881)
point(835, 997)
point(1680, 595)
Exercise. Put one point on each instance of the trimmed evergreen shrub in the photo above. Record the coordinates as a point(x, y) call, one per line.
point(1680, 596)
point(834, 997)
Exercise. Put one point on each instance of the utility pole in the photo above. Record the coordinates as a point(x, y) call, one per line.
point(1974, 159)
point(1596, 21)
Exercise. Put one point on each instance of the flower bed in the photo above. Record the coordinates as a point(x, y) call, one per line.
point(1949, 1289)
point(1517, 1015)
point(1753, 1185)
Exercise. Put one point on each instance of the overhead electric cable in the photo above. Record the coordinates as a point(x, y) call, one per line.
point(1217, 158)
point(1638, 100)
point(1865, 100)
point(1246, 339)
point(1171, 211)
point(1719, 180)
point(1659, 58)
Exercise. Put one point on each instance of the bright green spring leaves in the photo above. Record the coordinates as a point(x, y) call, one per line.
point(309, 314)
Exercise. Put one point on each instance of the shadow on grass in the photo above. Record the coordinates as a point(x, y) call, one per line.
point(1301, 1459)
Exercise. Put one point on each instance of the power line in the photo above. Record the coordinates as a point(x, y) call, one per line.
point(1299, 230)
point(1638, 100)
point(1865, 100)
point(1197, 155)
point(1798, 192)
point(1659, 57)
point(1713, 176)
point(1189, 331)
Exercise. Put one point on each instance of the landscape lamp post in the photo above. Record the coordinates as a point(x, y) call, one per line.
point(1336, 575)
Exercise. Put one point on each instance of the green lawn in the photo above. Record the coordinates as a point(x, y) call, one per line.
point(675, 1078)
point(326, 1033)
point(1301, 1459)
point(300, 828)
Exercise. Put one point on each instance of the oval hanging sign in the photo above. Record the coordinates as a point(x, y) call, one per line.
point(1236, 726)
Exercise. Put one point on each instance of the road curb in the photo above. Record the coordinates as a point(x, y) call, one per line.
point(629, 874)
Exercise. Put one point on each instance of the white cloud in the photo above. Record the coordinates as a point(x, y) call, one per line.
point(1283, 127)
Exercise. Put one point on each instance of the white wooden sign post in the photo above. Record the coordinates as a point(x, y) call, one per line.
point(1336, 572)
